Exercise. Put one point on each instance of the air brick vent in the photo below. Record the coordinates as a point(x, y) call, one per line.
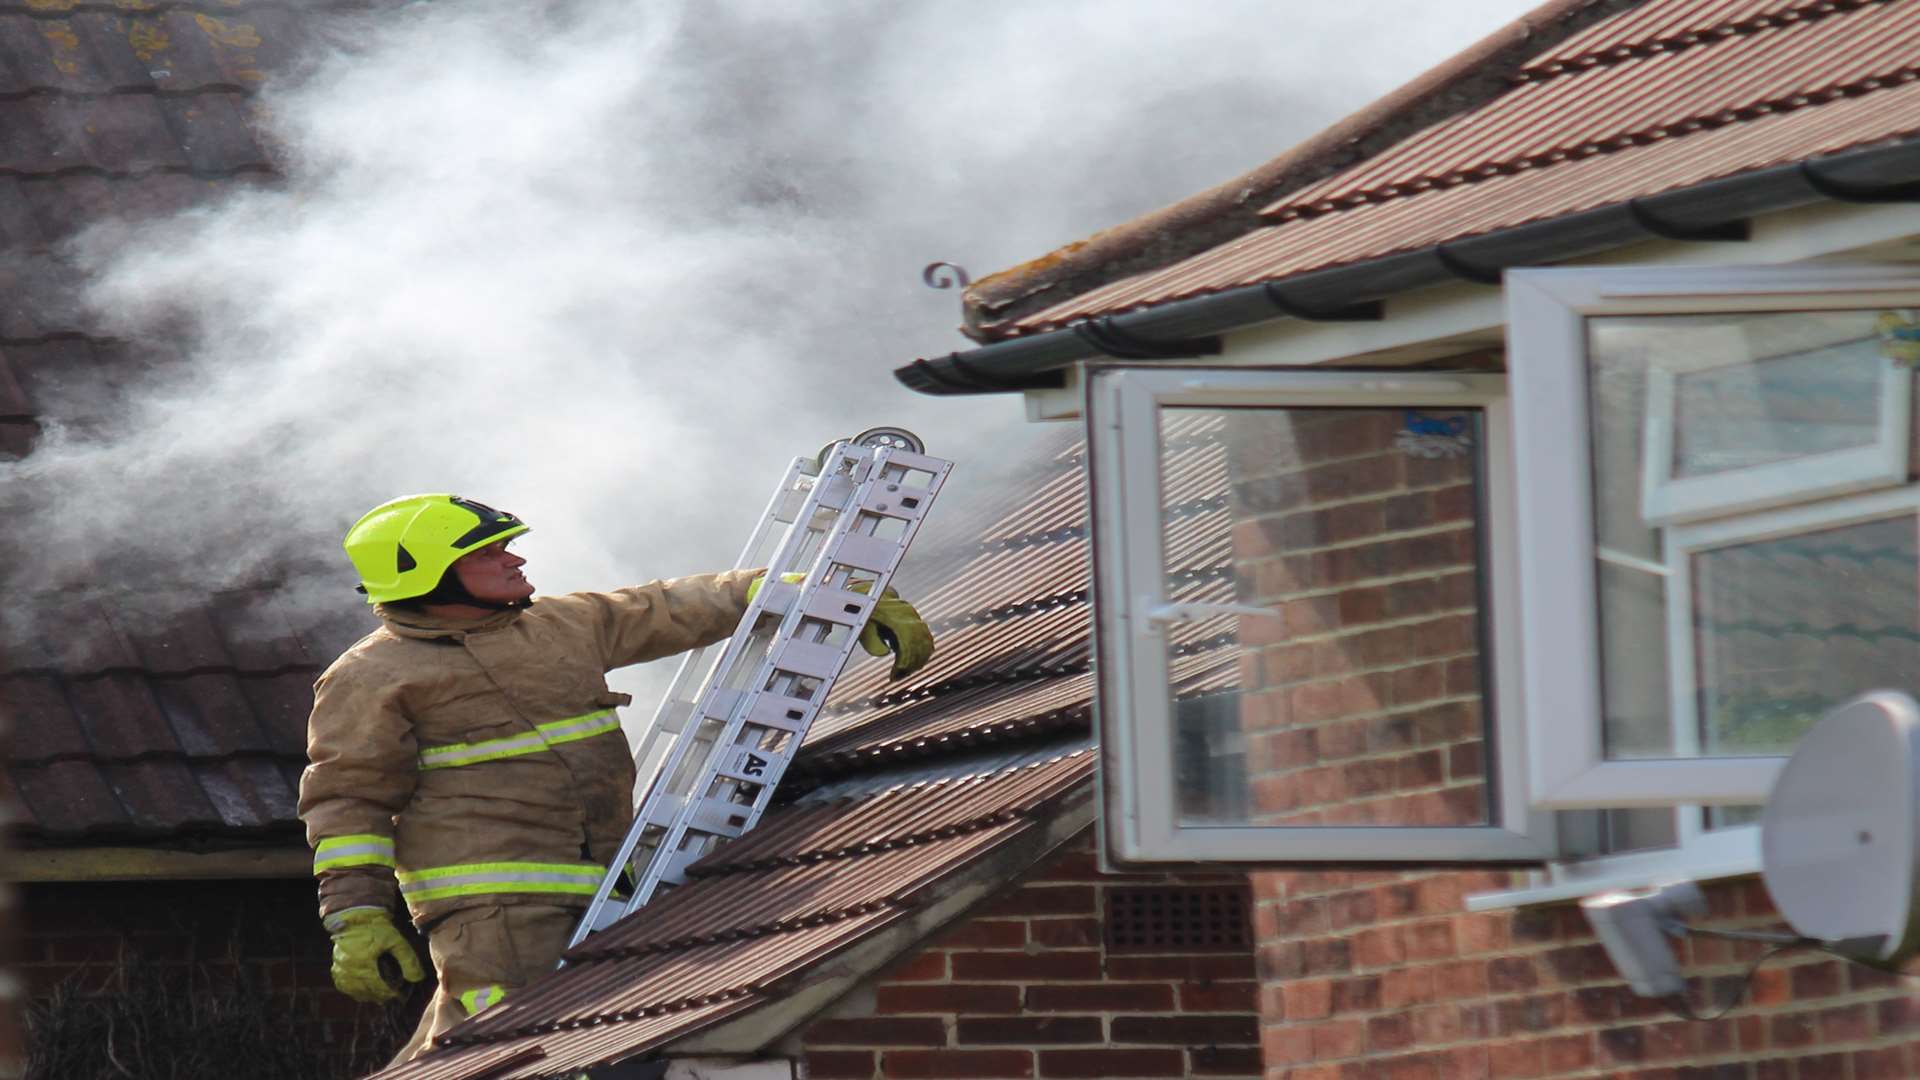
point(1177, 919)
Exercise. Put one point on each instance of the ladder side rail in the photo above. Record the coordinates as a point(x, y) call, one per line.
point(792, 541)
point(681, 694)
point(862, 518)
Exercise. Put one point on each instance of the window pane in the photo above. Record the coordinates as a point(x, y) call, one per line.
point(1787, 628)
point(1357, 701)
point(1699, 418)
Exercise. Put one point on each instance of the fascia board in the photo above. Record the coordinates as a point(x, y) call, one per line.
point(151, 864)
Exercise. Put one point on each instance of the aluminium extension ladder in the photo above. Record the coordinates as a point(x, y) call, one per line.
point(849, 514)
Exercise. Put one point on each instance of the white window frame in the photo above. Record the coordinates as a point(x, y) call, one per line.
point(1669, 500)
point(1140, 823)
point(1685, 541)
point(1699, 854)
point(1546, 323)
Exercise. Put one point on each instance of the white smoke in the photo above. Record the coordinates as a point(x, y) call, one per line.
point(610, 265)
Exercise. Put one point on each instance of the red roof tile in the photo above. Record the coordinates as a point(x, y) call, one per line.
point(1672, 23)
point(1628, 101)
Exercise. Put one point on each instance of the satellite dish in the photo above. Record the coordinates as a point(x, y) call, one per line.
point(1839, 833)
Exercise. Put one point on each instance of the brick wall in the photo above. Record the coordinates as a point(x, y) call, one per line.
point(91, 938)
point(1027, 986)
point(1385, 975)
point(1361, 703)
point(1361, 706)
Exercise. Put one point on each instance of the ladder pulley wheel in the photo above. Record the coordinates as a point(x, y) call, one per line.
point(893, 438)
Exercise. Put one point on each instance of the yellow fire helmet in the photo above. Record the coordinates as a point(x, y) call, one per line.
point(402, 548)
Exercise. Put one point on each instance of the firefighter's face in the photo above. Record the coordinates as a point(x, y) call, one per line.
point(493, 574)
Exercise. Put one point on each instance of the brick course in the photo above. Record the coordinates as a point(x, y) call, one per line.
point(1025, 987)
point(1529, 993)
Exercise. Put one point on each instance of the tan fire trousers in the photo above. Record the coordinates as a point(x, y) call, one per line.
point(482, 954)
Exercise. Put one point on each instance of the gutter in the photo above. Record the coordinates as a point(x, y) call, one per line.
point(1718, 210)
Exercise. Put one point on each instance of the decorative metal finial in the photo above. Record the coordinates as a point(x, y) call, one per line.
point(945, 275)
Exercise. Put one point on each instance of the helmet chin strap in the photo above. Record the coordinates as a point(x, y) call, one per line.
point(451, 590)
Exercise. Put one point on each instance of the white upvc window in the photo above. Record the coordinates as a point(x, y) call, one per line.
point(1718, 531)
point(1306, 608)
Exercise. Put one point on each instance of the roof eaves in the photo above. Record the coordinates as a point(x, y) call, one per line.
point(1886, 172)
point(1472, 78)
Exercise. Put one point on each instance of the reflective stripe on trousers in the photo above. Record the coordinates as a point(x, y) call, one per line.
point(480, 879)
point(475, 1000)
point(542, 737)
point(363, 849)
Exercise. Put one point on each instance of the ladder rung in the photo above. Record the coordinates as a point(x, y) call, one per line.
point(907, 459)
point(840, 606)
point(866, 553)
point(786, 506)
point(665, 810)
point(720, 817)
point(751, 765)
point(674, 720)
point(722, 702)
point(809, 659)
point(835, 492)
point(773, 710)
point(900, 502)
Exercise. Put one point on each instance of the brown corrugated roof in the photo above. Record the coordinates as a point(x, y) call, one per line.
point(1630, 103)
point(1378, 228)
point(813, 879)
point(1627, 99)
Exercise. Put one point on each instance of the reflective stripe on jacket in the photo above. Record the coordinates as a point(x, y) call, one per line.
point(477, 761)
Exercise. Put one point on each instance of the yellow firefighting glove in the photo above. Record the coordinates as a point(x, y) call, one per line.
point(362, 937)
point(753, 587)
point(894, 627)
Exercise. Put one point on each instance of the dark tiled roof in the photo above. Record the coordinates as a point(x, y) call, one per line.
point(189, 729)
point(1658, 97)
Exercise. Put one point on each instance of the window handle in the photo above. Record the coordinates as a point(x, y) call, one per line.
point(1160, 615)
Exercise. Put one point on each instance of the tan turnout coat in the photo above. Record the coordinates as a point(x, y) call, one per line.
point(481, 761)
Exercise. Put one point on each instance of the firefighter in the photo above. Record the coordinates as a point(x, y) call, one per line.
point(467, 751)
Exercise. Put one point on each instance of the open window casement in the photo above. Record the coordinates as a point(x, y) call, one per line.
point(1306, 618)
point(1718, 529)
